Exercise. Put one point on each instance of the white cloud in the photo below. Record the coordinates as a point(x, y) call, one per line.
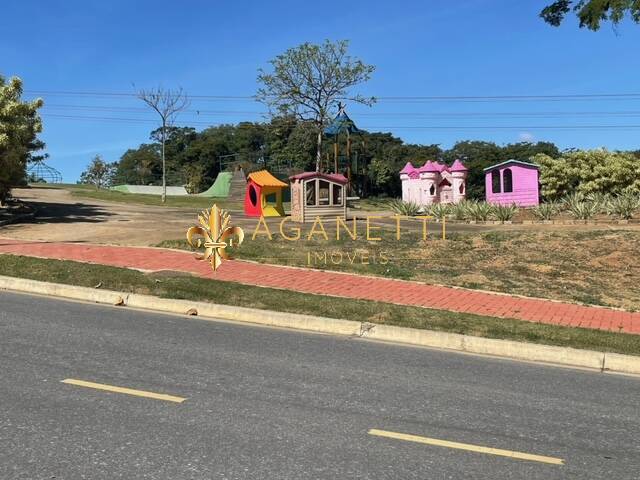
point(526, 137)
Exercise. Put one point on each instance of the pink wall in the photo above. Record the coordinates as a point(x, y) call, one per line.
point(525, 186)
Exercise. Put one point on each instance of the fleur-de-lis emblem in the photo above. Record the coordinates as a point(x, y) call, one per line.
point(215, 228)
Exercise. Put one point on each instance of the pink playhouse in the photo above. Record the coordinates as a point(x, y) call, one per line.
point(434, 182)
point(512, 182)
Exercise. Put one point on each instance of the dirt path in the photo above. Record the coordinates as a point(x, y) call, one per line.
point(62, 217)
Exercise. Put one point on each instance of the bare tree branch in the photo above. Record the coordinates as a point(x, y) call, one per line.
point(167, 104)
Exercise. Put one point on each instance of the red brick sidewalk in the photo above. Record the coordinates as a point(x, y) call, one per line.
point(338, 284)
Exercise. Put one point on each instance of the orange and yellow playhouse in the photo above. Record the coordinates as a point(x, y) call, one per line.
point(263, 196)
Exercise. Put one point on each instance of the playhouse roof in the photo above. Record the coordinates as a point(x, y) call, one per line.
point(408, 168)
point(458, 166)
point(506, 162)
point(265, 179)
point(333, 177)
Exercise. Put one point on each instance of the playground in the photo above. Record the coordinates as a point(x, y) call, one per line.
point(590, 263)
point(575, 250)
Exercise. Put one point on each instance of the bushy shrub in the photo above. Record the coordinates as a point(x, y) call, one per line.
point(409, 209)
point(588, 171)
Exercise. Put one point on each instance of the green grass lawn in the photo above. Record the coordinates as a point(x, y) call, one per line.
point(191, 288)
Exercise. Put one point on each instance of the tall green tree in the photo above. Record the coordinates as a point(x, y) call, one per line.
point(19, 128)
point(140, 166)
point(309, 80)
point(98, 173)
point(591, 13)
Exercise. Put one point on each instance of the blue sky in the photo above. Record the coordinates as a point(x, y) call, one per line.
point(420, 48)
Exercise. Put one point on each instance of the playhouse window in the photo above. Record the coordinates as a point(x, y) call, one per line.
point(323, 192)
point(495, 181)
point(336, 196)
point(271, 198)
point(462, 188)
point(432, 190)
point(253, 196)
point(310, 188)
point(507, 180)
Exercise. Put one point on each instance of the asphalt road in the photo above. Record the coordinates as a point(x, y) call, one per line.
point(265, 403)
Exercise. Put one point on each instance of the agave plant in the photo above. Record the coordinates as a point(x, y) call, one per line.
point(583, 210)
point(624, 205)
point(505, 213)
point(439, 210)
point(409, 209)
point(569, 201)
point(479, 211)
point(546, 211)
point(460, 210)
point(601, 201)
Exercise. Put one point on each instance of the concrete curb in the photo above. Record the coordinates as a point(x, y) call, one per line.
point(605, 362)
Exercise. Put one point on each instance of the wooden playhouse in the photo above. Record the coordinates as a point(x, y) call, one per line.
point(263, 196)
point(315, 194)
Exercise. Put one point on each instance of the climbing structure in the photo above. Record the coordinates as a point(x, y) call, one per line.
point(40, 172)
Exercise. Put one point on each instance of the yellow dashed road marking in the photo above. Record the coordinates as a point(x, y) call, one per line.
point(127, 391)
point(466, 446)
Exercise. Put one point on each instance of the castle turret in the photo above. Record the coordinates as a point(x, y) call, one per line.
point(459, 175)
point(430, 176)
point(408, 176)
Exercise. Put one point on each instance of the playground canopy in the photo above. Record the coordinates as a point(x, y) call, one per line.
point(341, 124)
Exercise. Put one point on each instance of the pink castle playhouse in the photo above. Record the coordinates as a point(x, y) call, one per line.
point(512, 182)
point(434, 182)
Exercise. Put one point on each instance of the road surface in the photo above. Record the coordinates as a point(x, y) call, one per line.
point(216, 400)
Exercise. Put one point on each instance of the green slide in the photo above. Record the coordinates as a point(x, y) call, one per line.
point(220, 187)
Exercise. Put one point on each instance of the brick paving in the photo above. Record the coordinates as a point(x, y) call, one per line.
point(337, 284)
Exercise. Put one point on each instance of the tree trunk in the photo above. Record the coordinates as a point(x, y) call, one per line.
point(319, 150)
point(164, 175)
